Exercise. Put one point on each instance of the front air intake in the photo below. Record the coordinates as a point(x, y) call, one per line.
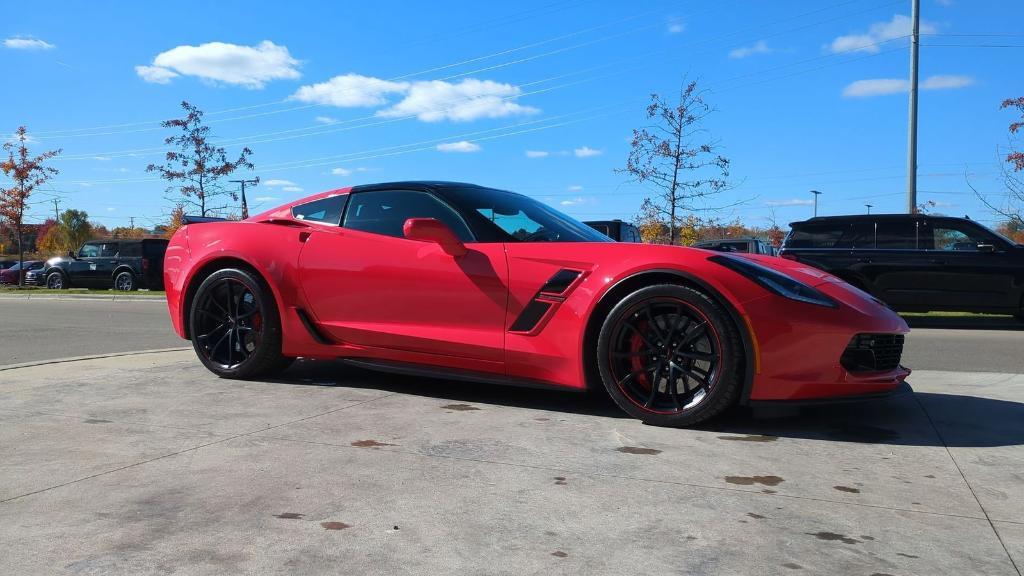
point(873, 353)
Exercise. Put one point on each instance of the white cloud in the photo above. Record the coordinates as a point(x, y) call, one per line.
point(273, 183)
point(101, 158)
point(349, 91)
point(537, 153)
point(16, 43)
point(899, 26)
point(790, 202)
point(576, 201)
point(461, 146)
point(248, 66)
point(759, 47)
point(946, 82)
point(325, 120)
point(291, 189)
point(586, 152)
point(347, 171)
point(265, 198)
point(574, 188)
point(155, 74)
point(470, 99)
point(676, 26)
point(883, 86)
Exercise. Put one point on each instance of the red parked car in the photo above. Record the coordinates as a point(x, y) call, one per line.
point(11, 275)
point(465, 282)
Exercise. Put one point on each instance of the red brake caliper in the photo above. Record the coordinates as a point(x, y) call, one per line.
point(636, 363)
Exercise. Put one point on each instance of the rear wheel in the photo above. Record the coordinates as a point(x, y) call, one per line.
point(235, 326)
point(125, 282)
point(670, 356)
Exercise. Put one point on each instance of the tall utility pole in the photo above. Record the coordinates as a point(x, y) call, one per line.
point(245, 207)
point(816, 194)
point(915, 15)
point(56, 209)
point(869, 207)
point(131, 222)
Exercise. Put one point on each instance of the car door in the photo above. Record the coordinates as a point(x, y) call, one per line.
point(957, 275)
point(892, 268)
point(82, 269)
point(368, 285)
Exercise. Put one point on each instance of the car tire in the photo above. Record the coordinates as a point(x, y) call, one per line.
point(125, 282)
point(56, 281)
point(664, 337)
point(235, 326)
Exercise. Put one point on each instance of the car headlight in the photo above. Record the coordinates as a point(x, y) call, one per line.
point(774, 281)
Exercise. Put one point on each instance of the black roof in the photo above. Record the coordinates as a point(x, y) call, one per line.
point(416, 185)
point(873, 217)
point(615, 221)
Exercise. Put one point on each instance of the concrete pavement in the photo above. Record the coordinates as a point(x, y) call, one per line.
point(148, 464)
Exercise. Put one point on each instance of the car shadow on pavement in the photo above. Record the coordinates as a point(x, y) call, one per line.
point(916, 419)
point(965, 322)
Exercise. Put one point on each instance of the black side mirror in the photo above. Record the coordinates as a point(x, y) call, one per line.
point(986, 248)
point(71, 254)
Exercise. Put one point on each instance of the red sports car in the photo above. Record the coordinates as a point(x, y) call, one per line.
point(465, 282)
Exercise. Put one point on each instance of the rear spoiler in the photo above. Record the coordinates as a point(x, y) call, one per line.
point(192, 219)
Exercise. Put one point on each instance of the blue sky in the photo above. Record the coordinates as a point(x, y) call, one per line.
point(537, 97)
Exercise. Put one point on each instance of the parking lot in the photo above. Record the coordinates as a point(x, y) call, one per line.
point(146, 463)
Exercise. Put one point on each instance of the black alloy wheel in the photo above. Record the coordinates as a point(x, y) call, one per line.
point(56, 281)
point(671, 356)
point(125, 281)
point(235, 327)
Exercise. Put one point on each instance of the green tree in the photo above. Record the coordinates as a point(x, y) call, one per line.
point(27, 172)
point(75, 228)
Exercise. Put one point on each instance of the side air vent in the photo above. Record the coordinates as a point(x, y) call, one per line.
point(560, 282)
point(530, 316)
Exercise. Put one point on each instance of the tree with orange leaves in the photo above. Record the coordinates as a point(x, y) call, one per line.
point(27, 173)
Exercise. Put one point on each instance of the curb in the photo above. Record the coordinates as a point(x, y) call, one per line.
point(104, 297)
point(90, 357)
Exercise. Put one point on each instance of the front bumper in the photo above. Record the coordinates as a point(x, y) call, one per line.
point(800, 346)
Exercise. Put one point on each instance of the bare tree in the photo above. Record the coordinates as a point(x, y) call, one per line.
point(195, 169)
point(674, 156)
point(27, 172)
point(1011, 206)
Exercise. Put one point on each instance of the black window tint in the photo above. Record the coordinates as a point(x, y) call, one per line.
point(327, 210)
point(154, 248)
point(602, 228)
point(953, 235)
point(896, 235)
point(815, 236)
point(108, 249)
point(385, 212)
point(634, 234)
point(131, 250)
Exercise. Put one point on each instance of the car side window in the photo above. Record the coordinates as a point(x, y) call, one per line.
point(89, 251)
point(327, 210)
point(108, 249)
point(896, 235)
point(130, 250)
point(385, 212)
point(955, 236)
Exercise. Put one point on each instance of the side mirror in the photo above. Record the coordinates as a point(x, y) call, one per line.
point(986, 248)
point(433, 230)
point(71, 254)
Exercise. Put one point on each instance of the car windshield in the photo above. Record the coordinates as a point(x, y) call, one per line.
point(500, 216)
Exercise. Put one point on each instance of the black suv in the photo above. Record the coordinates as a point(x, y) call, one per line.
point(616, 230)
point(916, 262)
point(121, 264)
point(747, 245)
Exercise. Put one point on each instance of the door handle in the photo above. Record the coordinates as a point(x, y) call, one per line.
point(864, 260)
point(304, 235)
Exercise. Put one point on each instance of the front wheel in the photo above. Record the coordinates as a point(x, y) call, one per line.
point(671, 356)
point(235, 326)
point(56, 281)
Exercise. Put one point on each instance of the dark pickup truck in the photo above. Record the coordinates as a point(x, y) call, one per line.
point(118, 264)
point(616, 230)
point(916, 263)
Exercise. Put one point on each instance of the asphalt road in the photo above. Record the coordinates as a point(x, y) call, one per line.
point(32, 330)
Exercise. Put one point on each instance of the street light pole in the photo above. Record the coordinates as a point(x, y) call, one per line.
point(912, 131)
point(869, 207)
point(816, 194)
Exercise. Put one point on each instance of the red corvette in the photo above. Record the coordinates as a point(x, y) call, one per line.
point(460, 281)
